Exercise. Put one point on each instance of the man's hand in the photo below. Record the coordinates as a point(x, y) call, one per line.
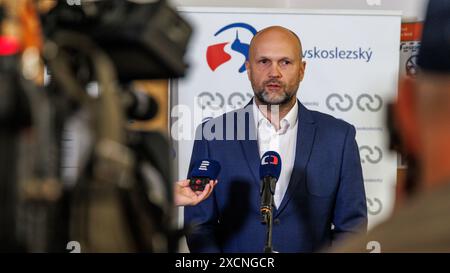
point(185, 196)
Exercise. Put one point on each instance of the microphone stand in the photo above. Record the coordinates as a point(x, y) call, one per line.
point(267, 214)
point(267, 218)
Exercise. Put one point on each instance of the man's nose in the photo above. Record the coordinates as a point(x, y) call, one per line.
point(275, 71)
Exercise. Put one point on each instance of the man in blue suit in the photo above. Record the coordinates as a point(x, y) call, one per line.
point(319, 195)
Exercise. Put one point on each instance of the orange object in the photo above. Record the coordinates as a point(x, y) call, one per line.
point(30, 25)
point(411, 31)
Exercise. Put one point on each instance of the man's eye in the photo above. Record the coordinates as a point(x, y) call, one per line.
point(285, 62)
point(264, 61)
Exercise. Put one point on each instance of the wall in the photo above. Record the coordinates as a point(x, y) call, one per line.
point(410, 8)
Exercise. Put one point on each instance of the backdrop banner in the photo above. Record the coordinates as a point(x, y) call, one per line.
point(351, 73)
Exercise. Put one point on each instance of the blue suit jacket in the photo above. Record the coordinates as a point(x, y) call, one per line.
point(326, 187)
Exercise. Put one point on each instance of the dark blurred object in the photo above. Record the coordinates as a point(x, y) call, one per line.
point(138, 105)
point(435, 47)
point(135, 216)
point(121, 199)
point(411, 184)
point(394, 136)
point(149, 205)
point(145, 41)
point(14, 116)
point(14, 104)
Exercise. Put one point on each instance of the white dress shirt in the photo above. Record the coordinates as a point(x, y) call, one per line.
point(282, 141)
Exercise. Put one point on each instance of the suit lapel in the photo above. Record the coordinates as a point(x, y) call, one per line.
point(249, 143)
point(251, 152)
point(306, 130)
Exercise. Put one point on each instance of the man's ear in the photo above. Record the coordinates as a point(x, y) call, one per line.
point(302, 70)
point(406, 115)
point(247, 67)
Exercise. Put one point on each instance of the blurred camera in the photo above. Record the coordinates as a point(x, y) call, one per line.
point(144, 40)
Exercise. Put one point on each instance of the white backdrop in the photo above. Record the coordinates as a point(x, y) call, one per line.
point(352, 70)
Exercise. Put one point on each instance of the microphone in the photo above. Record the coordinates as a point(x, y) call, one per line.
point(269, 172)
point(203, 171)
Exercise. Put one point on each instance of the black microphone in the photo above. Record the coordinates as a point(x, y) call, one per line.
point(269, 172)
point(203, 171)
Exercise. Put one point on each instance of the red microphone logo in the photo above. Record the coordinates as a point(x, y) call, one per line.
point(269, 159)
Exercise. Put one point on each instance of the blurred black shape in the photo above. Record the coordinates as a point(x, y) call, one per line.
point(14, 116)
point(138, 105)
point(411, 184)
point(121, 199)
point(145, 41)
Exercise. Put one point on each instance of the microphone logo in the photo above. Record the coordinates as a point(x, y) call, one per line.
point(204, 165)
point(202, 172)
point(269, 159)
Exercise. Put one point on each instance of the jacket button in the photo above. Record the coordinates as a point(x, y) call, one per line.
point(276, 221)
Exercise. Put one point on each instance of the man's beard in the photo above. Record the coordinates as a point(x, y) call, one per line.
point(264, 97)
point(281, 99)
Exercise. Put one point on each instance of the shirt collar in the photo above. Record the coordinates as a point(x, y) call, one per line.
point(291, 117)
